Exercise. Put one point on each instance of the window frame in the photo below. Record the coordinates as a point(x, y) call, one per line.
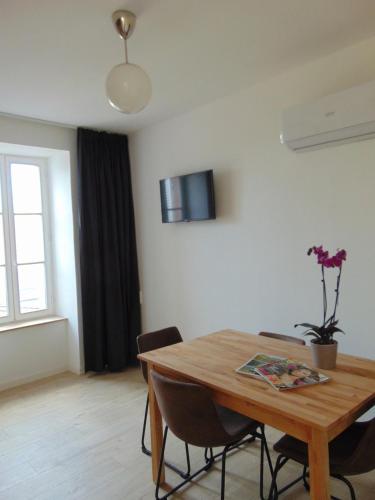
point(14, 309)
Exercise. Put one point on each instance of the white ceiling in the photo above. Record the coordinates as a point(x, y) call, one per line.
point(55, 54)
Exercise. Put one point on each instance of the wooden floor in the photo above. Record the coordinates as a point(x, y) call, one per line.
point(70, 437)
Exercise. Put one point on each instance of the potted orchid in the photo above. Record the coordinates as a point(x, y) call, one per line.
point(323, 345)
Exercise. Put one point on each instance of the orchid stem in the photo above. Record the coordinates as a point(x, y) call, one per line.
point(337, 294)
point(324, 296)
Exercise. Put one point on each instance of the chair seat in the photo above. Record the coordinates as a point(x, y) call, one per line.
point(236, 425)
point(341, 449)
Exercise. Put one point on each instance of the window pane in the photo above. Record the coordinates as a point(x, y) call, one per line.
point(3, 293)
point(2, 251)
point(32, 286)
point(29, 238)
point(26, 188)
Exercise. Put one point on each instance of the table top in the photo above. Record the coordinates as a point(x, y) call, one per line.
point(212, 360)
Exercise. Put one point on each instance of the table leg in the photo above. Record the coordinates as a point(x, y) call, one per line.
point(156, 426)
point(319, 466)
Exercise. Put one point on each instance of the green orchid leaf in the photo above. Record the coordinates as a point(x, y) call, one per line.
point(307, 325)
point(333, 329)
point(317, 329)
point(328, 329)
point(313, 334)
point(338, 330)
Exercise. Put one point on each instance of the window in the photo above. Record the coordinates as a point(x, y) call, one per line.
point(24, 242)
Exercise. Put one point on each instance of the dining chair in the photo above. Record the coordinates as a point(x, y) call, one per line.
point(191, 414)
point(280, 336)
point(148, 342)
point(350, 453)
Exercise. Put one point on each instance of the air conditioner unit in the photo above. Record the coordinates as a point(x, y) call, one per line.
point(346, 116)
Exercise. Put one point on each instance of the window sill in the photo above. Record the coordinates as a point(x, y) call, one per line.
point(34, 322)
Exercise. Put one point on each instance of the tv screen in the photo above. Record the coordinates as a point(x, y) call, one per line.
point(188, 197)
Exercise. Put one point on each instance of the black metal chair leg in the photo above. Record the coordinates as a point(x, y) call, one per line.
point(191, 477)
point(144, 449)
point(161, 462)
point(267, 452)
point(187, 460)
point(274, 477)
point(280, 462)
point(178, 471)
point(336, 476)
point(348, 484)
point(223, 463)
point(147, 452)
point(261, 472)
point(210, 460)
point(304, 476)
point(231, 448)
point(263, 449)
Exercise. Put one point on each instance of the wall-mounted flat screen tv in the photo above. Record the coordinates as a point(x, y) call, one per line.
point(188, 197)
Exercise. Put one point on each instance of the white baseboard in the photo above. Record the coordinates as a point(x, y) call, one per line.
point(32, 378)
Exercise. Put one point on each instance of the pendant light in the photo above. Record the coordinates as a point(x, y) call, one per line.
point(128, 87)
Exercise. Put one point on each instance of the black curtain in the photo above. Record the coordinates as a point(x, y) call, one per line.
point(109, 268)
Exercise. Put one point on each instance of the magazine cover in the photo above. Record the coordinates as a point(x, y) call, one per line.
point(260, 359)
point(289, 375)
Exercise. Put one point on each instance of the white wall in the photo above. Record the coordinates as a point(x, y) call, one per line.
point(65, 257)
point(31, 353)
point(248, 269)
point(34, 352)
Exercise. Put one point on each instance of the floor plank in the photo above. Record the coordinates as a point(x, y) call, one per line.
point(77, 438)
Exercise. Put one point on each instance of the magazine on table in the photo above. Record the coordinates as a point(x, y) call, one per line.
point(290, 374)
point(260, 359)
point(281, 373)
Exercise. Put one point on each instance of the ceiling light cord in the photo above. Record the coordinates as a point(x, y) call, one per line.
point(126, 51)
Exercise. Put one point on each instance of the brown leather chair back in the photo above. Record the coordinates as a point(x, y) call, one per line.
point(155, 340)
point(189, 411)
point(362, 460)
point(280, 336)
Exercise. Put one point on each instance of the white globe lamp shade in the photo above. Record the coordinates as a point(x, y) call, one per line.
point(128, 88)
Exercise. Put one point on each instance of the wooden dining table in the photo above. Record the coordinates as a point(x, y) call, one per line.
point(314, 414)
